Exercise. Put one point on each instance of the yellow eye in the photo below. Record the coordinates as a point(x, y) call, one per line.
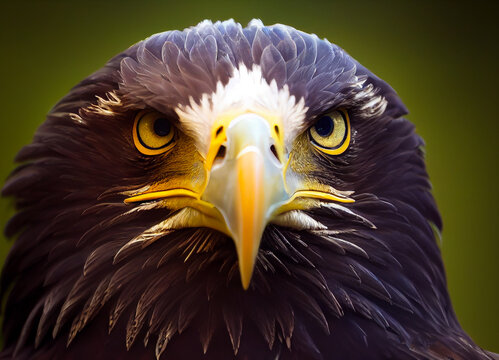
point(331, 132)
point(153, 133)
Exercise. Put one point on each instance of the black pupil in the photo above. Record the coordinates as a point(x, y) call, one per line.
point(324, 126)
point(162, 127)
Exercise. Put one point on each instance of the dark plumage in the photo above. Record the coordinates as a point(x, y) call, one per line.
point(370, 285)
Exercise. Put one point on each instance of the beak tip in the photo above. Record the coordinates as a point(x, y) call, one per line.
point(245, 280)
point(246, 285)
point(246, 271)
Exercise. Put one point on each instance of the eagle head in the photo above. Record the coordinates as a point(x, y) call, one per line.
point(227, 192)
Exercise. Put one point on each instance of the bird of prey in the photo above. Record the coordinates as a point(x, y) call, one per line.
point(225, 192)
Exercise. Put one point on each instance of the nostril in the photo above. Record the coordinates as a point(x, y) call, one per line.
point(274, 151)
point(220, 155)
point(221, 152)
point(276, 129)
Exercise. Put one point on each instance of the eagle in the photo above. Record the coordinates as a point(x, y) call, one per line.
point(227, 193)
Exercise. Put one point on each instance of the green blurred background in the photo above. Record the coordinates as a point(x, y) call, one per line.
point(440, 57)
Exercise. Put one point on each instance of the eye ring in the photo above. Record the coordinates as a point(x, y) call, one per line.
point(153, 133)
point(331, 132)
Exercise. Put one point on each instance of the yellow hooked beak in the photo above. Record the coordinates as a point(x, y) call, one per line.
point(246, 184)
